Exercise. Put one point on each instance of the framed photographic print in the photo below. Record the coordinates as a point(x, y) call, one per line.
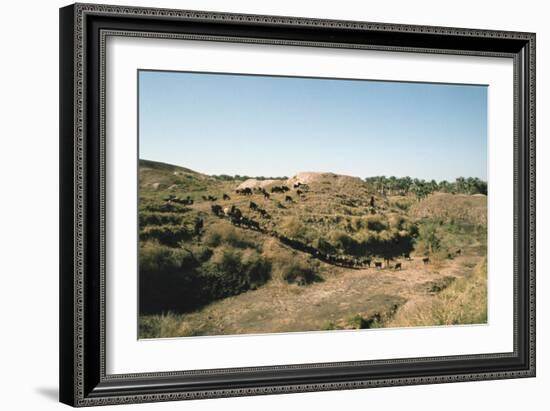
point(261, 204)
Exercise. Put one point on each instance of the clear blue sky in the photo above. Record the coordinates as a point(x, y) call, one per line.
point(273, 126)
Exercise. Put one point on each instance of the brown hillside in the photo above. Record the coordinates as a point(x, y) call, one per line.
point(470, 209)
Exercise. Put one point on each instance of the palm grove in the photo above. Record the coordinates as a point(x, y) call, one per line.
point(421, 188)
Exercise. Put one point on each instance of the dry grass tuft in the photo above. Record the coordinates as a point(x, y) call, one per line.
point(463, 301)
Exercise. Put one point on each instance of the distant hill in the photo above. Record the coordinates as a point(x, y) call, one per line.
point(470, 209)
point(156, 165)
point(160, 176)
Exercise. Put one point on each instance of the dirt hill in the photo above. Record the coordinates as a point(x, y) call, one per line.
point(470, 209)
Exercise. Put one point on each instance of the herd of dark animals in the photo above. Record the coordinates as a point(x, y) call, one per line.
point(180, 200)
point(236, 218)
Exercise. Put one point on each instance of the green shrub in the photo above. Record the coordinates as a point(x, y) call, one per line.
point(155, 326)
point(168, 279)
point(225, 234)
point(328, 326)
point(170, 235)
point(430, 237)
point(181, 280)
point(403, 205)
point(231, 271)
point(375, 223)
point(164, 208)
point(293, 227)
point(387, 244)
point(298, 273)
point(358, 322)
point(157, 258)
point(201, 253)
point(398, 222)
point(324, 246)
point(346, 244)
point(156, 218)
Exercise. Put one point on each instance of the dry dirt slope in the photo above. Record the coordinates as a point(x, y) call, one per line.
point(349, 299)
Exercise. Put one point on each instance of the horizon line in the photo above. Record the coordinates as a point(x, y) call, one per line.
point(294, 174)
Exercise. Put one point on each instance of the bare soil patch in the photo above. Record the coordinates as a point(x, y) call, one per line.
point(347, 299)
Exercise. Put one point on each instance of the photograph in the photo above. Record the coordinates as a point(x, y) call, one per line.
point(274, 201)
point(277, 204)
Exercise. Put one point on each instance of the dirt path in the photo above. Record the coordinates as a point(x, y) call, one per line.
point(340, 301)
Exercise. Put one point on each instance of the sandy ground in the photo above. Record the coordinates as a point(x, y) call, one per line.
point(343, 295)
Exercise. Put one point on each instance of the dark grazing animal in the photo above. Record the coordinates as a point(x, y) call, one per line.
point(280, 189)
point(266, 194)
point(367, 262)
point(458, 252)
point(299, 192)
point(378, 264)
point(232, 213)
point(244, 191)
point(398, 266)
point(185, 201)
point(264, 213)
point(248, 222)
point(236, 212)
point(426, 260)
point(199, 224)
point(407, 256)
point(289, 199)
point(216, 209)
point(226, 197)
point(253, 205)
point(254, 224)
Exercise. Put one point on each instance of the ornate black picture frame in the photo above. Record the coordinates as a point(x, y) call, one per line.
point(83, 30)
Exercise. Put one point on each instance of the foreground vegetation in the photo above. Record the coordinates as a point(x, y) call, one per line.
point(194, 252)
point(455, 301)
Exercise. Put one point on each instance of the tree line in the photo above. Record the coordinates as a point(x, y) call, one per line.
point(421, 188)
point(227, 177)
